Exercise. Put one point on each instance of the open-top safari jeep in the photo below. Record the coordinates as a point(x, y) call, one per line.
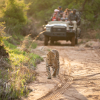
point(57, 30)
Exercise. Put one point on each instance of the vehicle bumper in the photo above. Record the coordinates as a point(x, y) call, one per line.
point(55, 34)
point(61, 34)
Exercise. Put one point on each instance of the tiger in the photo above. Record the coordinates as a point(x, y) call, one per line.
point(52, 59)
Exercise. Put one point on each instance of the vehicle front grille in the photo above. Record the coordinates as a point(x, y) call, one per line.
point(58, 29)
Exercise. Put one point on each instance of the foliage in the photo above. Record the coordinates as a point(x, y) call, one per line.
point(28, 44)
point(2, 37)
point(14, 15)
point(15, 39)
point(21, 72)
point(18, 57)
point(43, 9)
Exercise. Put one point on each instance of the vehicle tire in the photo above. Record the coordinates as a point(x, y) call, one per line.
point(73, 41)
point(76, 40)
point(52, 42)
point(45, 40)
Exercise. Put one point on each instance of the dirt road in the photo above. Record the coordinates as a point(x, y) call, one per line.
point(79, 77)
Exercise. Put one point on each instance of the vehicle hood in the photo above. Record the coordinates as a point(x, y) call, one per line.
point(56, 24)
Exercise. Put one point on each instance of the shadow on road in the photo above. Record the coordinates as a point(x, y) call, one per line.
point(60, 44)
point(69, 94)
point(72, 94)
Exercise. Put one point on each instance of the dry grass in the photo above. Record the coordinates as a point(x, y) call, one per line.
point(16, 85)
point(21, 76)
point(28, 44)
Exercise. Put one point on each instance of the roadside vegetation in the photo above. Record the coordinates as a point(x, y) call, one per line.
point(17, 62)
point(17, 70)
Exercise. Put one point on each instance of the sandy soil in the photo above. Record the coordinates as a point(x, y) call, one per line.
point(79, 77)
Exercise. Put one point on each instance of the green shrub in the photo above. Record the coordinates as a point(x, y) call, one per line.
point(21, 72)
point(15, 15)
point(2, 37)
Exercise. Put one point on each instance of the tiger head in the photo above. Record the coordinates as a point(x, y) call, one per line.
point(50, 58)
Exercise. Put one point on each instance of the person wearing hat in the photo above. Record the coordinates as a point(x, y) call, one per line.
point(54, 17)
point(72, 19)
point(60, 12)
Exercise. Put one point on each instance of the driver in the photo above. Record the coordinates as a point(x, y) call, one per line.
point(72, 19)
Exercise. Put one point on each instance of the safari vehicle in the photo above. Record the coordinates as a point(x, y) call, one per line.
point(57, 30)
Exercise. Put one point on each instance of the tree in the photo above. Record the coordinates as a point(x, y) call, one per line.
point(15, 15)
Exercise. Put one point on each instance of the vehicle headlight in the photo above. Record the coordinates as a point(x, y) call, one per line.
point(48, 29)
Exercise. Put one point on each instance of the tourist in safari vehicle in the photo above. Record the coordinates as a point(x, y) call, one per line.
point(73, 19)
point(65, 14)
point(60, 12)
point(57, 15)
point(63, 29)
point(54, 18)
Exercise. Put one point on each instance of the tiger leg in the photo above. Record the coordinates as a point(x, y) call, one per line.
point(48, 71)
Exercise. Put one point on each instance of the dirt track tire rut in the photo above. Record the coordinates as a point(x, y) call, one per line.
point(55, 94)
